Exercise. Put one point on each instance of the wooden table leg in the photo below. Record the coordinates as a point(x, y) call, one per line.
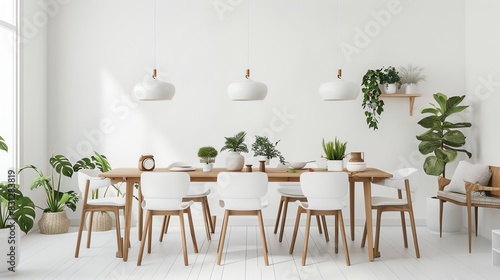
point(128, 215)
point(351, 208)
point(368, 213)
point(139, 212)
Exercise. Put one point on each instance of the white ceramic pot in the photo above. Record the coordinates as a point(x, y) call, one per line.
point(335, 165)
point(452, 216)
point(410, 88)
point(207, 167)
point(9, 249)
point(355, 166)
point(390, 88)
point(234, 161)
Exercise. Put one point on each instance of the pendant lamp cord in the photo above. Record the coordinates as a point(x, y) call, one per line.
point(154, 40)
point(339, 72)
point(247, 75)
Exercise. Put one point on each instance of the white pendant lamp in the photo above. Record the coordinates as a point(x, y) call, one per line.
point(339, 89)
point(154, 89)
point(248, 89)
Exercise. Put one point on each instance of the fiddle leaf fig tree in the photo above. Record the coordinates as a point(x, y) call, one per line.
point(442, 139)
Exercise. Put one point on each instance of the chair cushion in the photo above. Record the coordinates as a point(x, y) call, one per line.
point(476, 173)
point(113, 201)
point(294, 192)
point(477, 198)
point(386, 201)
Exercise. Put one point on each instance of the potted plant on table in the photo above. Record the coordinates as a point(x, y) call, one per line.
point(54, 219)
point(235, 145)
point(334, 153)
point(390, 79)
point(207, 156)
point(265, 150)
point(410, 77)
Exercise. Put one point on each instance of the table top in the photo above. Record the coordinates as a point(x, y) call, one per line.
point(274, 174)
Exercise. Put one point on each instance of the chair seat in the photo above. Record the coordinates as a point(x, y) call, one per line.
point(476, 199)
point(242, 204)
point(197, 190)
point(290, 192)
point(387, 201)
point(113, 201)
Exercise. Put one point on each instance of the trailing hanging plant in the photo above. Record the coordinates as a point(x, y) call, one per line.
point(442, 139)
point(371, 97)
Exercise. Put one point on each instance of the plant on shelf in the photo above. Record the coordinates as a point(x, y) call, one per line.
point(13, 204)
point(411, 76)
point(207, 156)
point(442, 139)
point(372, 104)
point(265, 148)
point(235, 145)
point(335, 152)
point(389, 79)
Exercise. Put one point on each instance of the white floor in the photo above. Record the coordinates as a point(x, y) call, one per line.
point(52, 257)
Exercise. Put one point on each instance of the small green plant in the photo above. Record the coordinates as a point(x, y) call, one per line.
point(372, 104)
point(207, 154)
point(334, 150)
point(264, 147)
point(411, 74)
point(235, 143)
point(442, 139)
point(389, 75)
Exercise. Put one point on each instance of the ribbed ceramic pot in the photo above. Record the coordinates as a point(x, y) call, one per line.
point(54, 223)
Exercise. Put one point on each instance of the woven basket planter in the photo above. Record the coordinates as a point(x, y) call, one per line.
point(54, 223)
point(100, 222)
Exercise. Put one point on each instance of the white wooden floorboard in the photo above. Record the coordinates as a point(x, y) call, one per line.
point(52, 257)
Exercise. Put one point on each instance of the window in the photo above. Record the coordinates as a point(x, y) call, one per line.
point(8, 83)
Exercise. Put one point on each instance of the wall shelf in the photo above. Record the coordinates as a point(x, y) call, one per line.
point(403, 95)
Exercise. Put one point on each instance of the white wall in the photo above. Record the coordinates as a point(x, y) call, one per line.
point(98, 50)
point(483, 89)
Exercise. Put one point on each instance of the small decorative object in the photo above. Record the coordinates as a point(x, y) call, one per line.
point(390, 79)
point(207, 156)
point(372, 104)
point(235, 145)
point(334, 153)
point(146, 162)
point(356, 162)
point(410, 77)
point(262, 166)
point(249, 167)
point(442, 138)
point(264, 149)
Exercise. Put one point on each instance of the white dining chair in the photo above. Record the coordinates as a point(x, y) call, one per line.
point(241, 195)
point(163, 193)
point(325, 192)
point(399, 181)
point(88, 181)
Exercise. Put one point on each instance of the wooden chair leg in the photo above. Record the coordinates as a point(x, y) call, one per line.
point(143, 239)
point(118, 233)
point(222, 237)
point(318, 222)
point(403, 225)
point(205, 219)
point(80, 229)
point(209, 215)
point(295, 229)
point(377, 233)
point(306, 237)
point(280, 207)
point(163, 226)
point(414, 232)
point(469, 227)
point(441, 218)
point(191, 228)
point(150, 233)
point(325, 229)
point(283, 218)
point(475, 218)
point(183, 237)
point(89, 230)
point(344, 240)
point(336, 234)
point(263, 236)
point(363, 240)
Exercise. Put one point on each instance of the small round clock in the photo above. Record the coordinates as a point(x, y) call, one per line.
point(146, 163)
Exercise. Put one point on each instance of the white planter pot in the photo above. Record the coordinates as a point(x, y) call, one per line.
point(452, 216)
point(234, 161)
point(9, 249)
point(207, 167)
point(390, 88)
point(410, 88)
point(335, 165)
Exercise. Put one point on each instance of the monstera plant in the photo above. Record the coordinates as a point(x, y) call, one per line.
point(443, 139)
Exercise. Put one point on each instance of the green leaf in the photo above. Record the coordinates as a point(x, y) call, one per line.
point(430, 110)
point(433, 166)
point(430, 122)
point(441, 100)
point(3, 145)
point(445, 155)
point(429, 135)
point(101, 161)
point(61, 165)
point(454, 138)
point(84, 163)
point(24, 213)
point(449, 125)
point(427, 147)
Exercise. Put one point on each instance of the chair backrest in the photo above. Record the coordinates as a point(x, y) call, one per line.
point(95, 181)
point(164, 190)
point(398, 179)
point(324, 190)
point(242, 190)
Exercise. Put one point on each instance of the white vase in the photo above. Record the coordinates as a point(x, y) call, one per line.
point(452, 216)
point(390, 88)
point(207, 167)
point(335, 165)
point(234, 161)
point(410, 88)
point(9, 249)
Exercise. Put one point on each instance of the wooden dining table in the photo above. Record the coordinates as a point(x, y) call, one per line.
point(131, 176)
